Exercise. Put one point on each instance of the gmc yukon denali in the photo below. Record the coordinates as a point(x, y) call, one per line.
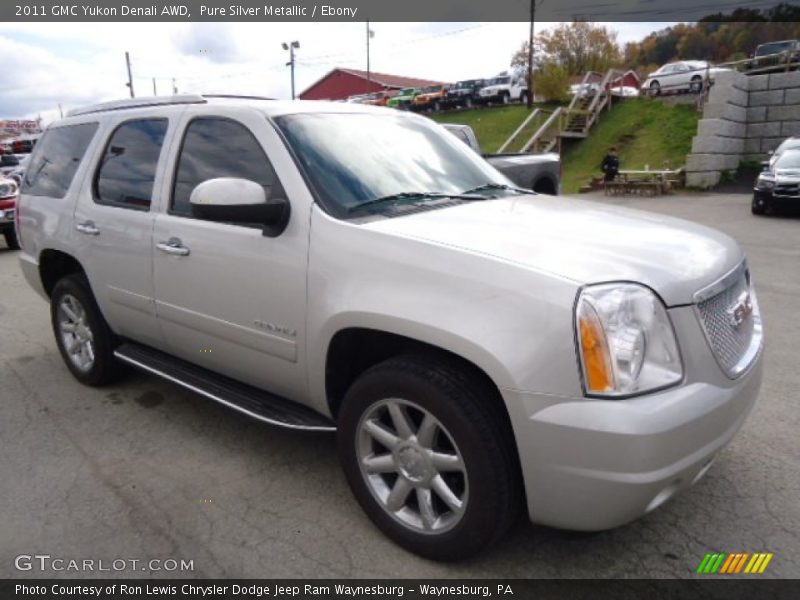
point(478, 348)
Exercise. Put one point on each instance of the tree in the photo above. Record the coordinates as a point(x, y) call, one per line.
point(576, 47)
point(552, 83)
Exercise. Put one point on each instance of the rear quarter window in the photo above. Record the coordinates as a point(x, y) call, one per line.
point(56, 158)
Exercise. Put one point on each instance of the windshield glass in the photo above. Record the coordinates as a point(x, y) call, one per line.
point(500, 81)
point(464, 85)
point(406, 92)
point(432, 88)
point(356, 158)
point(773, 48)
point(789, 160)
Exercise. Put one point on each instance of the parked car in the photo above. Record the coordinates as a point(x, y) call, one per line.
point(464, 93)
point(774, 56)
point(779, 184)
point(19, 172)
point(505, 88)
point(584, 89)
point(430, 98)
point(8, 163)
point(378, 98)
point(358, 98)
point(538, 172)
point(477, 347)
point(680, 77)
point(403, 98)
point(790, 143)
point(8, 204)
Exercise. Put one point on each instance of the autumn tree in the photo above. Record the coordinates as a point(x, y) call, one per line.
point(576, 47)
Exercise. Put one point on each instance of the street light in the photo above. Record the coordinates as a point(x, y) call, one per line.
point(290, 47)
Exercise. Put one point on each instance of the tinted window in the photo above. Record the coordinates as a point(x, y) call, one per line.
point(128, 169)
point(57, 157)
point(218, 148)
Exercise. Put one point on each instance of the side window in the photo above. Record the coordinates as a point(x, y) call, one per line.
point(217, 147)
point(127, 170)
point(56, 158)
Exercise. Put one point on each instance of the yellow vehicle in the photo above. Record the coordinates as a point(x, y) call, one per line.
point(431, 98)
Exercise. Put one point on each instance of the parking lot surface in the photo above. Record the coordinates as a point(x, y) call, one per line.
point(146, 470)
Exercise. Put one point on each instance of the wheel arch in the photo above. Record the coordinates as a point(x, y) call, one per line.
point(55, 264)
point(545, 184)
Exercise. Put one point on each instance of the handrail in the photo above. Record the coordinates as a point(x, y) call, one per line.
point(545, 126)
point(519, 129)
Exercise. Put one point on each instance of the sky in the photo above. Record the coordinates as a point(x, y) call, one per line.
point(75, 64)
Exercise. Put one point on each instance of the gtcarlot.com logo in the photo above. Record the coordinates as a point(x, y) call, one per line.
point(48, 563)
point(723, 563)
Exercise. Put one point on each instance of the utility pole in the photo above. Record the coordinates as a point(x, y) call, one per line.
point(369, 35)
point(60, 111)
point(530, 55)
point(155, 93)
point(174, 88)
point(290, 47)
point(130, 77)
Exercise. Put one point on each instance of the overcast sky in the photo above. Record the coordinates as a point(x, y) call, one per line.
point(47, 64)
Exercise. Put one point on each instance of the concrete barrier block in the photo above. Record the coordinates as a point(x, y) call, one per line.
point(713, 144)
point(789, 128)
point(711, 162)
point(721, 127)
point(790, 79)
point(758, 83)
point(793, 97)
point(766, 129)
point(755, 157)
point(731, 112)
point(767, 98)
point(728, 94)
point(768, 144)
point(756, 114)
point(786, 112)
point(752, 145)
point(732, 79)
point(703, 179)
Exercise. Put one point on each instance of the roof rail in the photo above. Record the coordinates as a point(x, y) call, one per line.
point(137, 103)
point(236, 97)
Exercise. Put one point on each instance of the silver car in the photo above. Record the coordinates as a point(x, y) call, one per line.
point(477, 348)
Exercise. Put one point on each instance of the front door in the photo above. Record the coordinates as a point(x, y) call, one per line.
point(228, 297)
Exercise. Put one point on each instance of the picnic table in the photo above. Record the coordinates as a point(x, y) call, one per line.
point(650, 182)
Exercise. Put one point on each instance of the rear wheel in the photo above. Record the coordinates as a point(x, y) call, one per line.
point(504, 98)
point(697, 84)
point(11, 239)
point(468, 102)
point(655, 88)
point(429, 456)
point(84, 339)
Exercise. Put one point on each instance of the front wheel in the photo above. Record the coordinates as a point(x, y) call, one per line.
point(430, 456)
point(504, 98)
point(83, 337)
point(523, 98)
point(759, 207)
point(655, 89)
point(696, 85)
point(468, 102)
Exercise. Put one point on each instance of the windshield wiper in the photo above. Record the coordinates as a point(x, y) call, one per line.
point(499, 186)
point(412, 196)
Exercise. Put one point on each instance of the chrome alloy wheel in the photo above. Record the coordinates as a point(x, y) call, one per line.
point(76, 334)
point(412, 466)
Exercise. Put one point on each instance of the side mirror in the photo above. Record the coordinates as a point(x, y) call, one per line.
point(235, 200)
point(764, 165)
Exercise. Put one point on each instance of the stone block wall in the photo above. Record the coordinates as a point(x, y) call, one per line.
point(744, 118)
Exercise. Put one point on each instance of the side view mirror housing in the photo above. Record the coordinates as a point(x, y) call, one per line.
point(764, 165)
point(236, 200)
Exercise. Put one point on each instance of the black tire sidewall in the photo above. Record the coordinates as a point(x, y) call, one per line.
point(479, 525)
point(105, 368)
point(11, 239)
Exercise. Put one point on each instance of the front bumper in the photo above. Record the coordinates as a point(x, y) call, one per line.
point(596, 464)
point(769, 197)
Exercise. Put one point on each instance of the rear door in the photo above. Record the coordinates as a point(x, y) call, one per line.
point(228, 297)
point(114, 223)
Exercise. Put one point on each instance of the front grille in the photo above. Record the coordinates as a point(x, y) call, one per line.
point(729, 314)
point(788, 190)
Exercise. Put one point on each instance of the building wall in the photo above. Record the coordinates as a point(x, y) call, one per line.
point(339, 85)
point(745, 117)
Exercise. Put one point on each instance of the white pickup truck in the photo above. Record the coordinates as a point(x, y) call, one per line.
point(477, 348)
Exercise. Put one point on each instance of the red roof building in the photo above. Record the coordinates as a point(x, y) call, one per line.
point(340, 84)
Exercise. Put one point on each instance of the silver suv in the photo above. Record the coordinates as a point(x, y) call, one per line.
point(477, 347)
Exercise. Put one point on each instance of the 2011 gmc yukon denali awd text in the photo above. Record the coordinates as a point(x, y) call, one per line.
point(477, 348)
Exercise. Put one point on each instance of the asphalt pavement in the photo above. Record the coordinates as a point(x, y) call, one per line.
point(146, 470)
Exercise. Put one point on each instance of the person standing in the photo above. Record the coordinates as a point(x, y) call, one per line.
point(610, 166)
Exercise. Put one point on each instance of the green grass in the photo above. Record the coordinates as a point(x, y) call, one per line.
point(645, 132)
point(492, 125)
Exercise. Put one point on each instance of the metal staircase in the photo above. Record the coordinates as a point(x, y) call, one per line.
point(576, 120)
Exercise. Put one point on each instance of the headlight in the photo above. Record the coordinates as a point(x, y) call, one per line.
point(626, 343)
point(8, 189)
point(765, 184)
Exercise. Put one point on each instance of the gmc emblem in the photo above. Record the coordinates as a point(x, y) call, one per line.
point(740, 310)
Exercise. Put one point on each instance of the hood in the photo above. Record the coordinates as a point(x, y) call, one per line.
point(790, 174)
point(584, 241)
point(490, 89)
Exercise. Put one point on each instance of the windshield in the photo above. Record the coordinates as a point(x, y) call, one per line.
point(499, 81)
point(464, 85)
point(788, 144)
point(773, 48)
point(789, 160)
point(431, 88)
point(406, 92)
point(354, 158)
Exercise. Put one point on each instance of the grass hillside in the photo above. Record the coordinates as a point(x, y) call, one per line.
point(645, 132)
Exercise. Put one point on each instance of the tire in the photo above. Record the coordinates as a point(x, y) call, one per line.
point(468, 102)
point(655, 88)
point(437, 106)
point(72, 304)
point(696, 84)
point(523, 98)
point(466, 426)
point(759, 208)
point(11, 239)
point(504, 98)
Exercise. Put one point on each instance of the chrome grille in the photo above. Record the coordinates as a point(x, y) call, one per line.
point(729, 314)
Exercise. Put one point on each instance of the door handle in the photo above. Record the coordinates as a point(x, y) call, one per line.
point(173, 246)
point(88, 228)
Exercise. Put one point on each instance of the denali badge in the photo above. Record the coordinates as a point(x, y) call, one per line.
point(740, 310)
point(273, 328)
